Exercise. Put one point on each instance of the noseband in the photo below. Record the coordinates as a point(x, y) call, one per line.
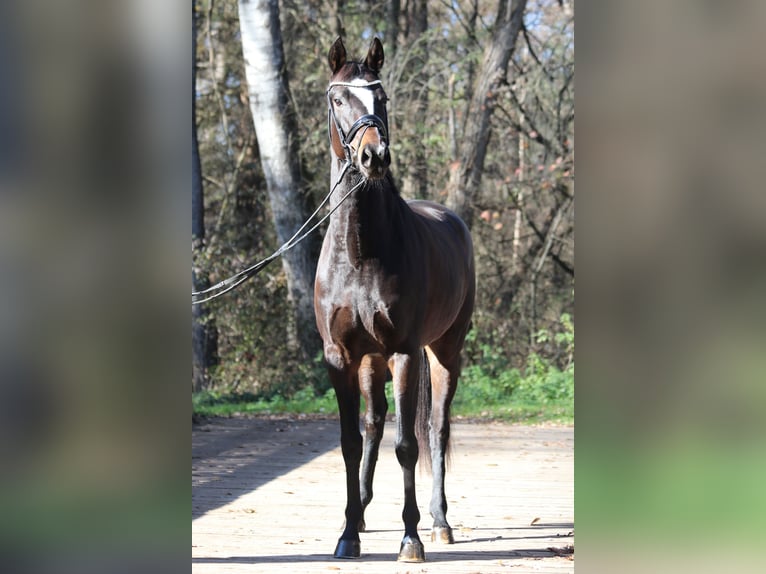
point(365, 121)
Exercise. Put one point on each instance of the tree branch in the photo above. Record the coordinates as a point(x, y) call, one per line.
point(543, 236)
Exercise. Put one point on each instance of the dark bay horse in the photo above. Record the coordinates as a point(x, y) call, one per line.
point(394, 291)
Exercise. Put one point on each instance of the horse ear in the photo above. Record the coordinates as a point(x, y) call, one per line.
point(374, 59)
point(337, 55)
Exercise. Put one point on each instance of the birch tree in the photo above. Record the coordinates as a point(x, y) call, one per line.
point(274, 123)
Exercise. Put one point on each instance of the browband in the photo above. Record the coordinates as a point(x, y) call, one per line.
point(352, 85)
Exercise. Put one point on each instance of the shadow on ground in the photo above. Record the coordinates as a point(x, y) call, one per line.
point(238, 455)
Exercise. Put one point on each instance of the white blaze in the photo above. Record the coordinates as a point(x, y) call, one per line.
point(359, 87)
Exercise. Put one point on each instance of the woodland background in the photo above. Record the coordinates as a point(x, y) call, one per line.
point(491, 137)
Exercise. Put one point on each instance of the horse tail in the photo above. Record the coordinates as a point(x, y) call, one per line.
point(423, 415)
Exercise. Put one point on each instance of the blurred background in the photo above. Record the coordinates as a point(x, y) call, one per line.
point(671, 380)
point(94, 280)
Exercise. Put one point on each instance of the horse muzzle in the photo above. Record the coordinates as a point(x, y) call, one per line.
point(374, 159)
point(372, 154)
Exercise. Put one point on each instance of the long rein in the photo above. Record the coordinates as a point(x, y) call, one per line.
point(237, 279)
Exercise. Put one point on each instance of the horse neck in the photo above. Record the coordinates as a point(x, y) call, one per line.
point(364, 223)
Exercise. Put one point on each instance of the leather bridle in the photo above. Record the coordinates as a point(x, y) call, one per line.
point(365, 121)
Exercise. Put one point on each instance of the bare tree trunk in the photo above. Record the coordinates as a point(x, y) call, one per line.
point(471, 67)
point(415, 181)
point(465, 179)
point(204, 334)
point(275, 128)
point(336, 20)
point(393, 9)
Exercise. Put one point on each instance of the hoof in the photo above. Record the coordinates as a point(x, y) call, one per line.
point(347, 549)
point(442, 534)
point(411, 551)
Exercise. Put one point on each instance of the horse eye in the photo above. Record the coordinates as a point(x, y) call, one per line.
point(338, 102)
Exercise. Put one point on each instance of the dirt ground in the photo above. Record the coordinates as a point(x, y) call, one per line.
point(268, 496)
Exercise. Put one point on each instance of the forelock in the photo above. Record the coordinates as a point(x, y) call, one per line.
point(350, 71)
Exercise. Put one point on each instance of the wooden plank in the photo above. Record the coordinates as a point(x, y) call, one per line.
point(268, 496)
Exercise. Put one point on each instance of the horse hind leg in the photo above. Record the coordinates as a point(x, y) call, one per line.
point(372, 381)
point(443, 386)
point(406, 372)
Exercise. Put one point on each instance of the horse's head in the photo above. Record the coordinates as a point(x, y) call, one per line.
point(357, 110)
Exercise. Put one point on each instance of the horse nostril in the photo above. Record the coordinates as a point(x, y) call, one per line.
point(366, 156)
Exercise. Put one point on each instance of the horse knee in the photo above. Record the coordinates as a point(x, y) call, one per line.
point(407, 452)
point(351, 447)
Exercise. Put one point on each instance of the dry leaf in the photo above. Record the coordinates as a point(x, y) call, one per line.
point(564, 551)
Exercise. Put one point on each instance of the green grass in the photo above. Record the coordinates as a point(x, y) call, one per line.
point(305, 401)
point(541, 394)
point(561, 412)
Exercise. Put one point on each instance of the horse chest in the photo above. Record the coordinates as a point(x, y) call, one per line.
point(371, 296)
point(363, 310)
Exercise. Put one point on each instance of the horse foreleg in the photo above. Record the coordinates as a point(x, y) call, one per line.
point(443, 385)
point(347, 394)
point(372, 381)
point(406, 371)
